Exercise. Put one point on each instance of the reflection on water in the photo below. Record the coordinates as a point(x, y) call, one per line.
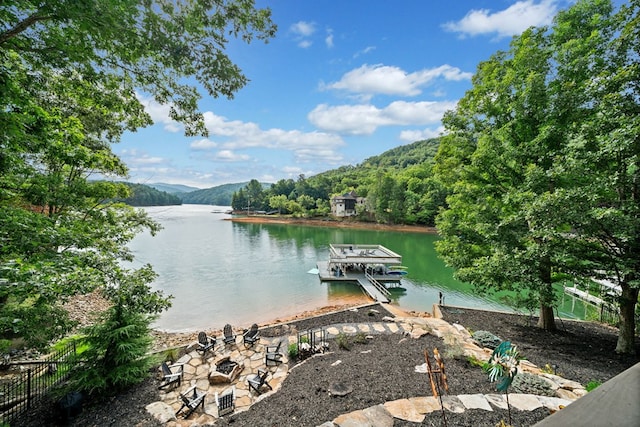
point(225, 272)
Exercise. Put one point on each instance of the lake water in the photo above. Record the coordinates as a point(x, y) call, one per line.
point(220, 271)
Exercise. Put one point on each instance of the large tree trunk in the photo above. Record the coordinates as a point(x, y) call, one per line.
point(627, 329)
point(546, 321)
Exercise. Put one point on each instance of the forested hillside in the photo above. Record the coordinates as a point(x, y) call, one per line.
point(220, 195)
point(398, 185)
point(144, 195)
point(172, 188)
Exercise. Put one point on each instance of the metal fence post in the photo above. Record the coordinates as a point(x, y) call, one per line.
point(29, 388)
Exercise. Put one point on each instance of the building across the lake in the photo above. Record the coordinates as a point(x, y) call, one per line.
point(345, 204)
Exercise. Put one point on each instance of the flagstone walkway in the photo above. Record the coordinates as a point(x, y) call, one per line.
point(197, 369)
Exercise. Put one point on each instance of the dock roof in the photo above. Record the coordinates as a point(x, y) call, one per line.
point(362, 254)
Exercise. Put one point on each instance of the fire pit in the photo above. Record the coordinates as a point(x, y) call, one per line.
point(226, 366)
point(224, 371)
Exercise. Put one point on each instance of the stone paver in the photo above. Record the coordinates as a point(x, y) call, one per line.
point(524, 402)
point(379, 327)
point(452, 404)
point(497, 400)
point(393, 328)
point(474, 401)
point(553, 403)
point(426, 404)
point(349, 329)
point(375, 416)
point(364, 328)
point(404, 409)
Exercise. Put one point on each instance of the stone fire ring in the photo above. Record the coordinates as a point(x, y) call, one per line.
point(217, 377)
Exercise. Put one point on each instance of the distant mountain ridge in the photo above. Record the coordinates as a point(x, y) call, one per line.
point(172, 188)
point(220, 195)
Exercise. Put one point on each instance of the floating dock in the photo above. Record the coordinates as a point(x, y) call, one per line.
point(367, 265)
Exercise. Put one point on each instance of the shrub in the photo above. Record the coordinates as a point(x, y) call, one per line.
point(532, 384)
point(117, 355)
point(293, 351)
point(360, 338)
point(343, 341)
point(486, 339)
point(474, 361)
point(591, 385)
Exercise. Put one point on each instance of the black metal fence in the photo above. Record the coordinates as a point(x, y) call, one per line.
point(20, 394)
point(609, 314)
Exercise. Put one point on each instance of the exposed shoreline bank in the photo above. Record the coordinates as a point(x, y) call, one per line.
point(262, 219)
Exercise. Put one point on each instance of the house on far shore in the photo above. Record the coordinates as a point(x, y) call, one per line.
point(345, 205)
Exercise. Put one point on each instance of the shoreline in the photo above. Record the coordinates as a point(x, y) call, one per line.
point(165, 340)
point(261, 219)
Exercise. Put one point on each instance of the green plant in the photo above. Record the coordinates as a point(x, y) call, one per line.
point(5, 345)
point(81, 344)
point(171, 354)
point(550, 369)
point(293, 351)
point(474, 361)
point(360, 338)
point(486, 339)
point(591, 385)
point(117, 354)
point(343, 341)
point(532, 384)
point(304, 339)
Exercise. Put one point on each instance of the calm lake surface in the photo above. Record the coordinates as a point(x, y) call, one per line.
point(224, 272)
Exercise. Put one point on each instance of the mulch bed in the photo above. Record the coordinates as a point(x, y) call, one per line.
point(383, 370)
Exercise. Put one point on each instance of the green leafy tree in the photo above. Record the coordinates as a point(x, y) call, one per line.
point(542, 161)
point(278, 202)
point(71, 77)
point(255, 195)
point(307, 202)
point(128, 46)
point(497, 161)
point(600, 53)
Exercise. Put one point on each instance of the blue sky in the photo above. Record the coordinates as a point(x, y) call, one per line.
point(340, 82)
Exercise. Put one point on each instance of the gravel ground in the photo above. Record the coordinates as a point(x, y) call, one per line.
point(383, 370)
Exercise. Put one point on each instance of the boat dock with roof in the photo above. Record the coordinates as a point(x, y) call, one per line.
point(371, 266)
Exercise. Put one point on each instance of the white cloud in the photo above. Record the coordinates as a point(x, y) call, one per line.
point(364, 119)
point(418, 135)
point(203, 144)
point(136, 158)
point(160, 113)
point(505, 23)
point(303, 29)
point(328, 41)
point(230, 156)
point(389, 80)
point(304, 146)
point(364, 51)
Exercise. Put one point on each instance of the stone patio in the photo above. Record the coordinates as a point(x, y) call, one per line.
point(196, 372)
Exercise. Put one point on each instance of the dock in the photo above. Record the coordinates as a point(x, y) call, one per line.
point(366, 265)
